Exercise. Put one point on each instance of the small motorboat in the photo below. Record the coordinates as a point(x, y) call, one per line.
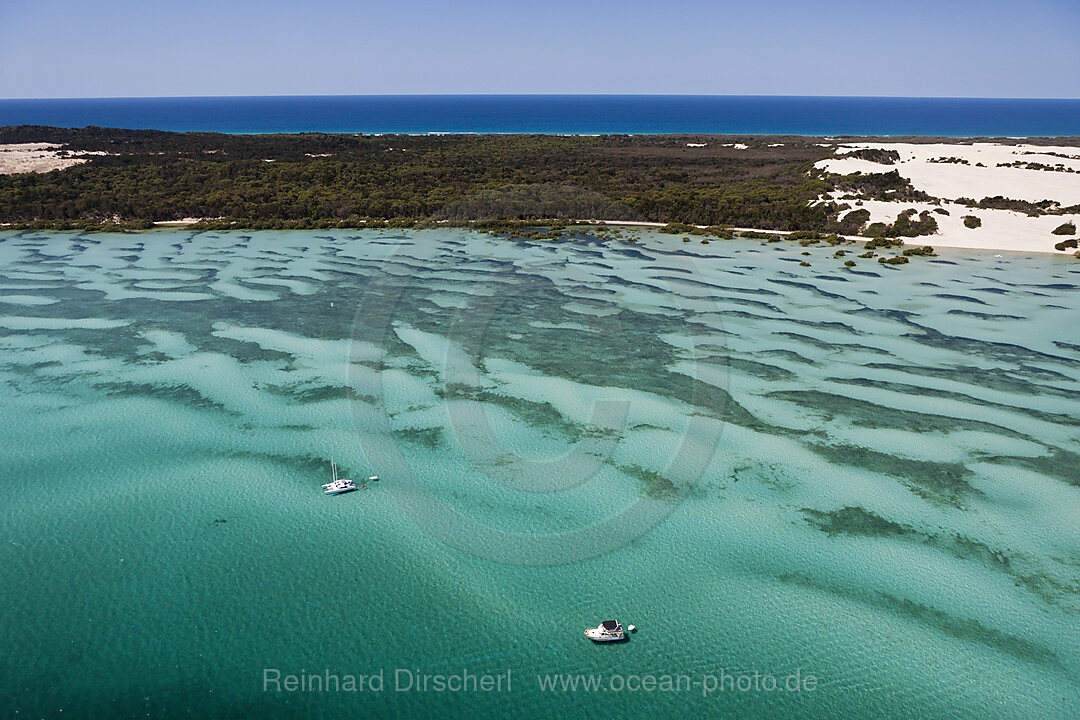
point(607, 631)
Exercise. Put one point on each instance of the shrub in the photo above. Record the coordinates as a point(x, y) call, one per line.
point(724, 233)
point(907, 226)
point(878, 229)
point(970, 221)
point(849, 263)
point(878, 186)
point(1066, 244)
point(883, 242)
point(1033, 209)
point(924, 250)
point(676, 228)
point(1065, 229)
point(875, 155)
point(852, 222)
point(719, 231)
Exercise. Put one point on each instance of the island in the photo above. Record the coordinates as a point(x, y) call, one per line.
point(983, 193)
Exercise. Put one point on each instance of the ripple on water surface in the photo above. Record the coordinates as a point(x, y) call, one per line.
point(869, 479)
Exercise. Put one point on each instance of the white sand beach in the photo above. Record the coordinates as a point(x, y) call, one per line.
point(975, 171)
point(1000, 229)
point(182, 221)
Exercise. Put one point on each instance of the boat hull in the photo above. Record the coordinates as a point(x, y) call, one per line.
point(595, 636)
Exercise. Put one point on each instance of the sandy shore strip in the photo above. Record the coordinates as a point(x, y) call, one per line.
point(1010, 231)
point(182, 221)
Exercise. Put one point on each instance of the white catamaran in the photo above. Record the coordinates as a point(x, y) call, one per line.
point(342, 485)
point(337, 485)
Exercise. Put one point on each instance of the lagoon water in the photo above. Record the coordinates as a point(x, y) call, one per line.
point(869, 476)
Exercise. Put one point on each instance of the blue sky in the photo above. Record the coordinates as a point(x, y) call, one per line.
point(969, 48)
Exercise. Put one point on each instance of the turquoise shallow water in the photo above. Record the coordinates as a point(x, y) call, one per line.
point(868, 476)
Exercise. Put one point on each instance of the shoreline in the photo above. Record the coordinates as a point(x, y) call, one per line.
point(1037, 245)
point(934, 241)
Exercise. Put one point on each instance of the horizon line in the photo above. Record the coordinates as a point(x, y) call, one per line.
point(521, 95)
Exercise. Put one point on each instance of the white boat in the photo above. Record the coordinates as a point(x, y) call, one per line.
point(607, 631)
point(341, 486)
point(337, 485)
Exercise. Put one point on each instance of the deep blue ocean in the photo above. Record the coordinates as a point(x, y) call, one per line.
point(561, 114)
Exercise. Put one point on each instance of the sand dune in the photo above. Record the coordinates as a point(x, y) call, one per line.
point(952, 170)
point(35, 157)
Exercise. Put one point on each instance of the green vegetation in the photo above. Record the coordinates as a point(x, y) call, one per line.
point(721, 232)
point(924, 250)
point(883, 242)
point(852, 223)
point(971, 221)
point(1065, 229)
point(319, 181)
point(1060, 167)
point(849, 263)
point(907, 224)
point(1033, 209)
point(527, 186)
point(876, 155)
point(878, 186)
point(676, 228)
point(1066, 244)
